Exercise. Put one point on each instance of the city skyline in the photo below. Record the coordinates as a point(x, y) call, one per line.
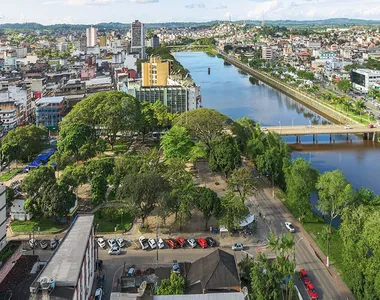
point(153, 11)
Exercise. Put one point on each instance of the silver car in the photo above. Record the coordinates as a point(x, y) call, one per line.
point(238, 247)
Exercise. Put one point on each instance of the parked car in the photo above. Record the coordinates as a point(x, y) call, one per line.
point(101, 243)
point(143, 242)
point(101, 282)
point(53, 243)
point(98, 294)
point(115, 250)
point(131, 272)
point(304, 277)
point(152, 243)
point(172, 243)
point(238, 247)
point(120, 242)
point(210, 241)
point(347, 127)
point(44, 245)
point(191, 241)
point(160, 243)
point(202, 242)
point(112, 242)
point(33, 243)
point(180, 241)
point(311, 291)
point(290, 227)
point(371, 126)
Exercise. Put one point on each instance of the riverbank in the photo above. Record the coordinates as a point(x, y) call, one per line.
point(315, 105)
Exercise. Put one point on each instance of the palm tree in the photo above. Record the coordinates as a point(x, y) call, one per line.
point(359, 106)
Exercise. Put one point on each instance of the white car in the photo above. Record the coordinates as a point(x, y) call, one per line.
point(101, 243)
point(192, 242)
point(290, 226)
point(98, 294)
point(238, 247)
point(143, 242)
point(152, 243)
point(112, 243)
point(160, 243)
point(115, 250)
point(347, 127)
point(120, 242)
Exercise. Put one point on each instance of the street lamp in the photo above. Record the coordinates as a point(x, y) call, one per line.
point(292, 121)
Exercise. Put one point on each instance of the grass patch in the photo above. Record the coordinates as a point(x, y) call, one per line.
point(110, 217)
point(121, 146)
point(145, 230)
point(45, 225)
point(9, 175)
point(317, 228)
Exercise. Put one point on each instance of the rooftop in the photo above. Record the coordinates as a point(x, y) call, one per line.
point(64, 266)
point(50, 100)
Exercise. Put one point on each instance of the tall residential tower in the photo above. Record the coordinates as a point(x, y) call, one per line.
point(92, 36)
point(138, 38)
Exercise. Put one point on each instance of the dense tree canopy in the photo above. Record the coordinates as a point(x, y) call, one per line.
point(177, 143)
point(204, 123)
point(24, 142)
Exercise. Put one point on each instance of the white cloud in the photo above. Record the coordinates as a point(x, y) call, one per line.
point(195, 5)
point(144, 1)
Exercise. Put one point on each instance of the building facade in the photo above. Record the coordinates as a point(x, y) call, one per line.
point(138, 38)
point(49, 112)
point(267, 53)
point(92, 36)
point(179, 99)
point(3, 217)
point(155, 72)
point(70, 271)
point(364, 79)
point(155, 41)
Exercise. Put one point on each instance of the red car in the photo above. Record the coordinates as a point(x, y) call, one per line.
point(311, 291)
point(172, 243)
point(304, 276)
point(202, 242)
point(181, 241)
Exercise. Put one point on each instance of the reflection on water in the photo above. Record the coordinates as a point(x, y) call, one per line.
point(237, 95)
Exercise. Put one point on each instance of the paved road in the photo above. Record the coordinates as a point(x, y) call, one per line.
point(276, 214)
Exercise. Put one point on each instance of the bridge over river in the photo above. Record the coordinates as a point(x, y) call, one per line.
point(332, 130)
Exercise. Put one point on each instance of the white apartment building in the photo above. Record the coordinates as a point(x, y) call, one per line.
point(267, 53)
point(3, 217)
point(92, 36)
point(70, 271)
point(364, 79)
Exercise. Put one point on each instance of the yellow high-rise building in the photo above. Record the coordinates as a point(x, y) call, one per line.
point(103, 41)
point(155, 72)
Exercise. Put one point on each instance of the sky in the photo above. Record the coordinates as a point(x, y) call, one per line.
point(153, 11)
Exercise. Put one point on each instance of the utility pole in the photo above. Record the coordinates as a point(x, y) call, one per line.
point(156, 244)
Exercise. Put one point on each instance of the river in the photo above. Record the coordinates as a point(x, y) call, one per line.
point(235, 94)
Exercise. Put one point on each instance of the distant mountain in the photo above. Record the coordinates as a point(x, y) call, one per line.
point(120, 26)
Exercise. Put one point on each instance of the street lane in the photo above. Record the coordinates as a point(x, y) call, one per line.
point(274, 212)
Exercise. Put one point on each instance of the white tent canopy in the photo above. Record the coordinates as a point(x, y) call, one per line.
point(248, 220)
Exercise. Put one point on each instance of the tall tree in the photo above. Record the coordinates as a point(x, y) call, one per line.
point(204, 123)
point(78, 140)
point(177, 143)
point(141, 193)
point(57, 200)
point(233, 211)
point(334, 193)
point(24, 142)
point(241, 180)
point(208, 202)
point(300, 180)
point(224, 155)
point(344, 85)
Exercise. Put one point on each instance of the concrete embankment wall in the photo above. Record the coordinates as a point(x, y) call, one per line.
point(321, 109)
